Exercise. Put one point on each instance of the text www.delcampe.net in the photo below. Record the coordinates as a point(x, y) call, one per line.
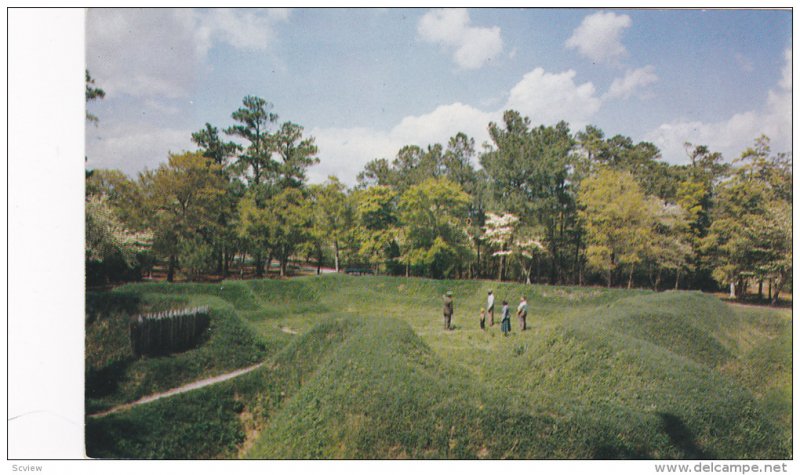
point(711, 467)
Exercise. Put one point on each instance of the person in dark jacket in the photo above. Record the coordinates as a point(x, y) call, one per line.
point(447, 310)
point(505, 324)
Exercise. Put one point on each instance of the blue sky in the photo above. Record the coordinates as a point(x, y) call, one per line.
point(365, 82)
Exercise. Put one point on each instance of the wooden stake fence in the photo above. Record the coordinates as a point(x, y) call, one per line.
point(167, 332)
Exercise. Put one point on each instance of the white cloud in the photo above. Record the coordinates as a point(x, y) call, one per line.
point(443, 123)
point(344, 152)
point(550, 97)
point(597, 37)
point(545, 97)
point(243, 28)
point(132, 148)
point(733, 135)
point(472, 46)
point(143, 52)
point(633, 80)
point(161, 52)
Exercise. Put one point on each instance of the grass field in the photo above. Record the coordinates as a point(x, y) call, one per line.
point(360, 367)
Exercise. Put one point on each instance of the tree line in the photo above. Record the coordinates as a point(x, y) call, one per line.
point(546, 205)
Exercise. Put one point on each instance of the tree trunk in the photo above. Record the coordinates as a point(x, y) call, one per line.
point(733, 290)
point(225, 263)
point(658, 279)
point(500, 271)
point(578, 263)
point(336, 255)
point(269, 261)
point(171, 268)
point(630, 277)
point(677, 278)
point(778, 288)
point(283, 261)
point(760, 290)
point(259, 263)
point(769, 289)
point(478, 262)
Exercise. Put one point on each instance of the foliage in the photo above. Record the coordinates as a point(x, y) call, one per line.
point(296, 153)
point(533, 174)
point(376, 220)
point(253, 121)
point(92, 93)
point(332, 216)
point(107, 237)
point(618, 220)
point(751, 231)
point(661, 222)
point(213, 147)
point(182, 197)
point(432, 215)
point(289, 222)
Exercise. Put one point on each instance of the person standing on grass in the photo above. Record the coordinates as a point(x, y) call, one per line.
point(505, 324)
point(522, 313)
point(447, 310)
point(483, 319)
point(490, 308)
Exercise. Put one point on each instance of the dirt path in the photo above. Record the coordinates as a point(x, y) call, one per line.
point(172, 392)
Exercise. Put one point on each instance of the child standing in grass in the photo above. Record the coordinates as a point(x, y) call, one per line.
point(505, 324)
point(483, 319)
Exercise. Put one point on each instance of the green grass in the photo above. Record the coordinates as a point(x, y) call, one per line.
point(371, 374)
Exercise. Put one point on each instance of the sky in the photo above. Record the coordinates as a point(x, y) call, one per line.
point(365, 82)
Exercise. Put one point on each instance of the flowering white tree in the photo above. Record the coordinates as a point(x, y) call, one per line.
point(499, 233)
point(509, 238)
point(106, 236)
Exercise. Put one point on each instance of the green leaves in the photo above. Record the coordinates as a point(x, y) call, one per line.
point(433, 215)
point(618, 220)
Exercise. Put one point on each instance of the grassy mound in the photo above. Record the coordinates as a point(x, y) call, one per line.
point(370, 374)
point(115, 376)
point(215, 421)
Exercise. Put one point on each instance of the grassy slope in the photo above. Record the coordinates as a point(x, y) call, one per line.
point(609, 374)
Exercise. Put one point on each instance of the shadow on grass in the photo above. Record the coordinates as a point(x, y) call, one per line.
point(114, 440)
point(610, 452)
point(104, 381)
point(682, 437)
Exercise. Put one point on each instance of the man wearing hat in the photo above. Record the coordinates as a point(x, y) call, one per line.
point(447, 310)
point(522, 313)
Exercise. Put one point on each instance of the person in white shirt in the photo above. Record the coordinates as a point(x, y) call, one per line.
point(522, 312)
point(490, 308)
